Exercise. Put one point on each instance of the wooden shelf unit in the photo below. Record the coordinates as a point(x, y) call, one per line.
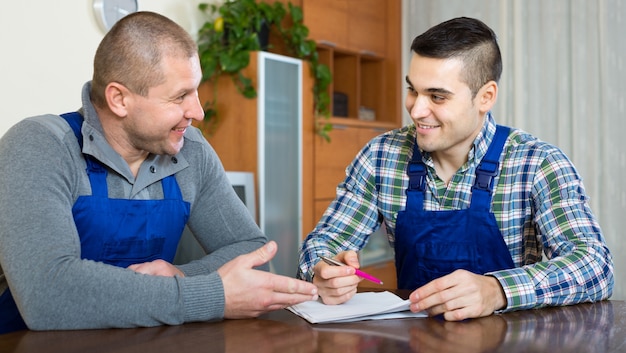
point(361, 77)
point(360, 43)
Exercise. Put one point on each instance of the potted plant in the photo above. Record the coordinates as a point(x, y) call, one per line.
point(225, 43)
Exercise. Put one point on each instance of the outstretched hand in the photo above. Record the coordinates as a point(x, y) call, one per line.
point(249, 292)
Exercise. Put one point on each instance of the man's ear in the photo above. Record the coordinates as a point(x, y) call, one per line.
point(486, 96)
point(117, 97)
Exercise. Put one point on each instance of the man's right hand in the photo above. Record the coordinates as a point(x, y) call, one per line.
point(337, 284)
point(249, 292)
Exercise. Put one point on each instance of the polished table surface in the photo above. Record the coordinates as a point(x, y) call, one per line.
point(598, 327)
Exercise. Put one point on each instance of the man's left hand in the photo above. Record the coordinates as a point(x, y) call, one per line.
point(459, 295)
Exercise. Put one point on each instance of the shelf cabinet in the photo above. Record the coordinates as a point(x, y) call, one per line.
point(358, 25)
point(327, 20)
point(367, 26)
point(362, 79)
point(360, 43)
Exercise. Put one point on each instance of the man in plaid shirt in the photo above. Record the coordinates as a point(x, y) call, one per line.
point(483, 218)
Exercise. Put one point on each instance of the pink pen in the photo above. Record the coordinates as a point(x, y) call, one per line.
point(357, 272)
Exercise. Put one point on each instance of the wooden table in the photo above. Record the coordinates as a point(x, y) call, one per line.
point(599, 327)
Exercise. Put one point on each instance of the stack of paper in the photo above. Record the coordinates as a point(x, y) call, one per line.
point(363, 306)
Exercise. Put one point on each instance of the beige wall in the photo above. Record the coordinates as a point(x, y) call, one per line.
point(47, 51)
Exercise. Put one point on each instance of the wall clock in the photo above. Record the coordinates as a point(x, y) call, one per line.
point(108, 12)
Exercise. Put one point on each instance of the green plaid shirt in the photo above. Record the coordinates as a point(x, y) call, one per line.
point(539, 203)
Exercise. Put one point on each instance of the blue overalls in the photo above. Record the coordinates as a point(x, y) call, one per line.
point(431, 244)
point(118, 232)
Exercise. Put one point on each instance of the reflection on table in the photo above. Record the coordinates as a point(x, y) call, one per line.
point(578, 328)
point(598, 327)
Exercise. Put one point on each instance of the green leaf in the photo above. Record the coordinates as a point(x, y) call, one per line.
point(244, 85)
point(296, 13)
point(323, 75)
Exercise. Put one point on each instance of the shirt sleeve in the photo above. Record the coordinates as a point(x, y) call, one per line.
point(579, 266)
point(350, 218)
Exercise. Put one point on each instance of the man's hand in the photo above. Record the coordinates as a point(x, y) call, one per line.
point(459, 295)
point(337, 284)
point(250, 293)
point(157, 268)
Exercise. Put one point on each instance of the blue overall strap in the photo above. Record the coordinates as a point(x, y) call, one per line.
point(489, 167)
point(94, 168)
point(76, 122)
point(416, 170)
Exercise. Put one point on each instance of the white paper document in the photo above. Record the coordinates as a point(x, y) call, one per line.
point(363, 306)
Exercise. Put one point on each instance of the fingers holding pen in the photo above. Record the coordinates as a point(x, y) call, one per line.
point(350, 258)
point(342, 265)
point(336, 284)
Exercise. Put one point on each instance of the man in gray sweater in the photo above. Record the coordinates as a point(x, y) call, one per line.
point(93, 203)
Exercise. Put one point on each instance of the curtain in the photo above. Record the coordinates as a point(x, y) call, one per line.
point(564, 80)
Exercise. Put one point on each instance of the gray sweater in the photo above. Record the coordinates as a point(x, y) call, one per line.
point(42, 173)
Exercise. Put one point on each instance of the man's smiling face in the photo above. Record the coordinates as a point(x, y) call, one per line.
point(440, 104)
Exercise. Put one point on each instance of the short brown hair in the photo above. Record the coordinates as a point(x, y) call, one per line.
point(469, 40)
